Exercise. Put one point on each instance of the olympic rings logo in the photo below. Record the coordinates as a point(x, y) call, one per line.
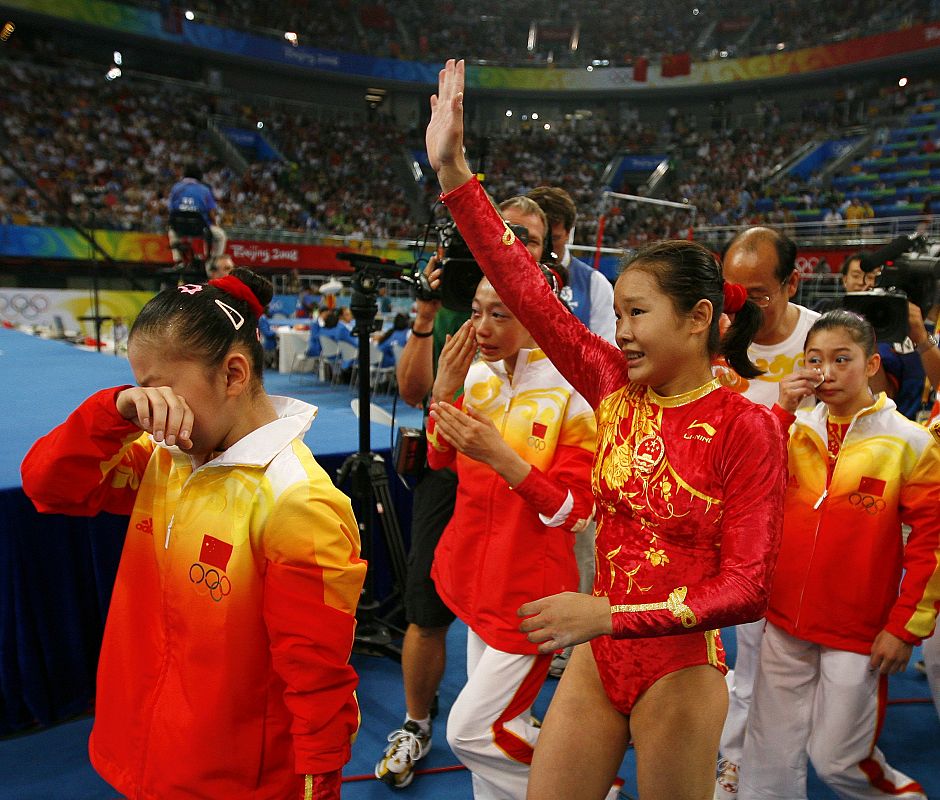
point(219, 586)
point(536, 443)
point(27, 306)
point(867, 503)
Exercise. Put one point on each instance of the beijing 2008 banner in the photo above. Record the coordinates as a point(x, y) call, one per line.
point(24, 241)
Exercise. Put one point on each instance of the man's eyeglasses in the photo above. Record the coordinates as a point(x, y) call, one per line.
point(763, 300)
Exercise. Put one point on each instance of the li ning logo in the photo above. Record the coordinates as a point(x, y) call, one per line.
point(709, 431)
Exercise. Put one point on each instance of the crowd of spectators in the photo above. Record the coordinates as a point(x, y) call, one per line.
point(540, 32)
point(107, 153)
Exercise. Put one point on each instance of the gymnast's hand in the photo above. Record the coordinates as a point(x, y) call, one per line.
point(159, 411)
point(444, 136)
point(454, 362)
point(889, 654)
point(565, 619)
point(797, 386)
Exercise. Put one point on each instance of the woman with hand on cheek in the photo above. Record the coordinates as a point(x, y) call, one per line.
point(850, 597)
point(521, 441)
point(224, 670)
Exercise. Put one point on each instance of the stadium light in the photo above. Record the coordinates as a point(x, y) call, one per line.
point(781, 45)
point(902, 83)
point(189, 15)
point(117, 58)
point(508, 112)
point(590, 68)
point(535, 115)
point(291, 37)
point(259, 125)
point(547, 126)
point(114, 72)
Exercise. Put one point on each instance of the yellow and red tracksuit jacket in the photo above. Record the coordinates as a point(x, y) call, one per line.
point(224, 670)
point(504, 547)
point(842, 555)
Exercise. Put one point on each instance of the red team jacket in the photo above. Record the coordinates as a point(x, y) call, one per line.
point(224, 668)
point(839, 575)
point(504, 547)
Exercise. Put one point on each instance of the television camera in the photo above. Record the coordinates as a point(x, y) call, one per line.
point(910, 271)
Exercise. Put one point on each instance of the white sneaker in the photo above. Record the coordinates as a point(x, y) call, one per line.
point(726, 784)
point(406, 746)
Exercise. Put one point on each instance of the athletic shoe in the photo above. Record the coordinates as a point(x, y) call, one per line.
point(559, 662)
point(406, 746)
point(614, 793)
point(726, 785)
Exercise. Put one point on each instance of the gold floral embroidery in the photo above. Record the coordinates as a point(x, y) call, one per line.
point(656, 557)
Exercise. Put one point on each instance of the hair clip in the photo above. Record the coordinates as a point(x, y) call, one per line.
point(234, 317)
point(190, 288)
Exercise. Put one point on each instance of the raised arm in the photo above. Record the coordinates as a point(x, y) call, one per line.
point(92, 462)
point(593, 366)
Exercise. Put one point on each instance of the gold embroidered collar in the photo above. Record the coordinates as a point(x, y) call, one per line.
point(675, 400)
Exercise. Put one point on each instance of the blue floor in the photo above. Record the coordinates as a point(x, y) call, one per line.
point(53, 764)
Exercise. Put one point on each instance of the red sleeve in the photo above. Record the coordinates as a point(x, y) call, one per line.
point(568, 476)
point(592, 365)
point(312, 582)
point(784, 417)
point(753, 468)
point(92, 462)
point(914, 614)
point(441, 453)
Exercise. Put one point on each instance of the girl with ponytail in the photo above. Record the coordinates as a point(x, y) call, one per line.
point(224, 667)
point(688, 484)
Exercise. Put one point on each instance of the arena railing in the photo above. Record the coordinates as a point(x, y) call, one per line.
point(839, 234)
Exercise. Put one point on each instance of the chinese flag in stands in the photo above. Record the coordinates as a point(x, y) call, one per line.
point(676, 64)
point(640, 65)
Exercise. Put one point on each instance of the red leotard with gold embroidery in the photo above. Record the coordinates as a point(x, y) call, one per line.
point(689, 489)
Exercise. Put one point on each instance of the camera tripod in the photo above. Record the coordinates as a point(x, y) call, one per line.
point(369, 486)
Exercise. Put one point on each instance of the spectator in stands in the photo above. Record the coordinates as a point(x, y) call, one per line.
point(190, 196)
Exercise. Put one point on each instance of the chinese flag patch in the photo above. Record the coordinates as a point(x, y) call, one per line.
point(539, 430)
point(215, 552)
point(872, 486)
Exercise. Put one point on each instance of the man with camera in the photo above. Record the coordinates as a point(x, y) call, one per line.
point(428, 618)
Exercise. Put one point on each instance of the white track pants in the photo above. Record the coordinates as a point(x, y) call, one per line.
point(489, 727)
point(825, 705)
point(740, 687)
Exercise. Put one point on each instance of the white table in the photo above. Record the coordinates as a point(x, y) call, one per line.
point(290, 343)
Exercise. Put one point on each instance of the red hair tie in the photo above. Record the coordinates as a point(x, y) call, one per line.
point(237, 288)
point(735, 297)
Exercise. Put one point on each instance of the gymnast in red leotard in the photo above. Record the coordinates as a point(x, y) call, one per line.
point(688, 481)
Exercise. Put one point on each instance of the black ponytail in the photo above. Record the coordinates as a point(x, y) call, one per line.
point(738, 338)
point(204, 322)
